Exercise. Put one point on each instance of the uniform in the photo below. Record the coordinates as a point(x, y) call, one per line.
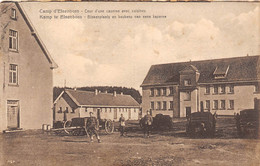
point(148, 120)
point(122, 125)
point(91, 126)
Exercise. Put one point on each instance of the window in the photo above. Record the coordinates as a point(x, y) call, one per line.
point(13, 13)
point(215, 104)
point(222, 89)
point(164, 91)
point(152, 92)
point(187, 96)
point(67, 110)
point(171, 105)
point(158, 92)
point(73, 110)
point(207, 105)
point(152, 105)
point(60, 110)
point(215, 89)
point(110, 110)
point(231, 89)
point(222, 104)
point(86, 109)
point(187, 82)
point(13, 42)
point(164, 105)
point(207, 89)
point(158, 105)
point(231, 104)
point(171, 91)
point(13, 74)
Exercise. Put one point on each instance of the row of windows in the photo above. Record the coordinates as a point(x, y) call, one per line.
point(220, 89)
point(161, 91)
point(162, 105)
point(66, 110)
point(220, 105)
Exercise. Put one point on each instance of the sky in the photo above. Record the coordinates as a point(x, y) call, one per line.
point(119, 52)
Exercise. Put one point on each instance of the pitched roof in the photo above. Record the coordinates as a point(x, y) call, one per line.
point(84, 98)
point(240, 69)
point(36, 35)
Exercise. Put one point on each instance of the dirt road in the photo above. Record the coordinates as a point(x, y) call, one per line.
point(162, 148)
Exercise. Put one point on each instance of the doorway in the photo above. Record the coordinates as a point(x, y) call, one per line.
point(13, 119)
point(115, 113)
point(188, 111)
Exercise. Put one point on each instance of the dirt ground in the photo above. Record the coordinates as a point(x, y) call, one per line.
point(162, 148)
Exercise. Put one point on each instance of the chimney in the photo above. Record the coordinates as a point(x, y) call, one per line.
point(114, 94)
point(96, 91)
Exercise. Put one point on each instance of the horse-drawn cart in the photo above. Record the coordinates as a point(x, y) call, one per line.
point(78, 126)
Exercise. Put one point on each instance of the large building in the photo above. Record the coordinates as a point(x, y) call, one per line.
point(26, 79)
point(225, 86)
point(76, 103)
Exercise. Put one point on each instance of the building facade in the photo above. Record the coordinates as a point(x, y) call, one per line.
point(26, 72)
point(225, 86)
point(74, 103)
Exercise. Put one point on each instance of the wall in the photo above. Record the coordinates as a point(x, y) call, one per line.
point(34, 89)
point(147, 99)
point(193, 102)
point(243, 97)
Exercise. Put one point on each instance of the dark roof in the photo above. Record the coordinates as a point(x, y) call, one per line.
point(101, 99)
point(240, 69)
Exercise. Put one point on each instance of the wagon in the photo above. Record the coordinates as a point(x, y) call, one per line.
point(201, 124)
point(160, 121)
point(77, 126)
point(248, 123)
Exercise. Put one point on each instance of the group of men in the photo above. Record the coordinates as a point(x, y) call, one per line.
point(91, 126)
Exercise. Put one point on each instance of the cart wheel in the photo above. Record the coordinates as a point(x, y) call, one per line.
point(109, 126)
point(66, 125)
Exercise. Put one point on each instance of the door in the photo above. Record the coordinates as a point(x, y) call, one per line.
point(115, 113)
point(129, 113)
point(98, 114)
point(12, 115)
point(188, 111)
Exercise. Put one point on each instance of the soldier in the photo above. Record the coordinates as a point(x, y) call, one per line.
point(148, 120)
point(122, 125)
point(91, 126)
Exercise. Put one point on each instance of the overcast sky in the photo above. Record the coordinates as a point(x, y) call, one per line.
point(120, 52)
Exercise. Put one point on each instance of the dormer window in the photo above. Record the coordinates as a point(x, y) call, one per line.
point(13, 13)
point(221, 71)
point(187, 82)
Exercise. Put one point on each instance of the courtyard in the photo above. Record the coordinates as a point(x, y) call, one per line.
point(172, 147)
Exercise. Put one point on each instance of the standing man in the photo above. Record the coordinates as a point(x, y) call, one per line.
point(91, 127)
point(148, 120)
point(122, 125)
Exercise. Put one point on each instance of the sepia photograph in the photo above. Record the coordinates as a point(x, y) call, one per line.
point(129, 83)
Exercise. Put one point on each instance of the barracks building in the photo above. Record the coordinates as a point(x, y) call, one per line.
point(26, 72)
point(76, 103)
point(225, 86)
